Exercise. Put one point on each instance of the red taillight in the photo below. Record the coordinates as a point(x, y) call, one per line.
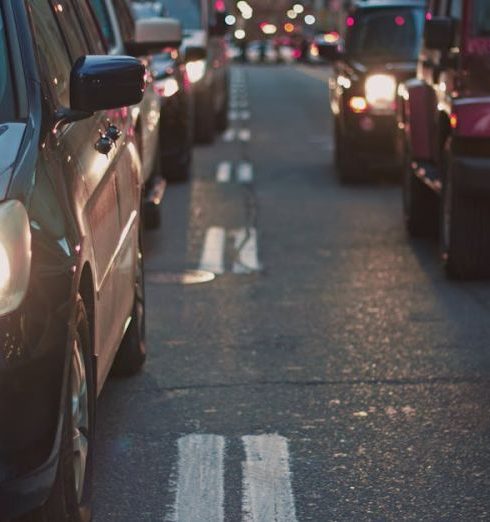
point(453, 120)
point(350, 22)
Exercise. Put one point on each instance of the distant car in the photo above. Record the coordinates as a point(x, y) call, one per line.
point(119, 30)
point(71, 264)
point(382, 42)
point(443, 117)
point(177, 110)
point(206, 57)
point(262, 51)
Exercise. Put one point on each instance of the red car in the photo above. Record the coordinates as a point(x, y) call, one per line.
point(444, 123)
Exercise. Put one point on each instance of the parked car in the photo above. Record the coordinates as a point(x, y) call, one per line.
point(382, 42)
point(70, 204)
point(445, 136)
point(205, 52)
point(119, 31)
point(177, 109)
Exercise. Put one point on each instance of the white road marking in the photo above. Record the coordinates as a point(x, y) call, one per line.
point(245, 173)
point(233, 115)
point(200, 479)
point(245, 115)
point(223, 174)
point(244, 135)
point(268, 494)
point(229, 135)
point(213, 251)
point(247, 260)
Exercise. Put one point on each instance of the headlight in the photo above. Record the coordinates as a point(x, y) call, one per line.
point(15, 255)
point(196, 70)
point(167, 87)
point(380, 91)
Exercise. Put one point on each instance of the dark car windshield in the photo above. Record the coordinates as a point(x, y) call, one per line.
point(188, 12)
point(385, 34)
point(481, 17)
point(7, 104)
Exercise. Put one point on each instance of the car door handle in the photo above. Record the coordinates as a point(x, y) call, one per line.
point(104, 144)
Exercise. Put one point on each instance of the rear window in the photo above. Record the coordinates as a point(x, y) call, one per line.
point(385, 34)
point(481, 18)
point(7, 100)
point(188, 12)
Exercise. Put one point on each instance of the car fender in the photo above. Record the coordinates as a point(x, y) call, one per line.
point(470, 117)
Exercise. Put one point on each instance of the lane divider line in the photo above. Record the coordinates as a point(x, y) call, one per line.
point(200, 479)
point(247, 259)
point(244, 135)
point(212, 258)
point(268, 494)
point(229, 135)
point(245, 173)
point(223, 173)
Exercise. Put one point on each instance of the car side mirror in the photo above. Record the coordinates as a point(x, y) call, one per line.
point(106, 82)
point(219, 27)
point(151, 35)
point(329, 52)
point(439, 33)
point(195, 54)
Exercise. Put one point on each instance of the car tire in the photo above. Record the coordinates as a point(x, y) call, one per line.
point(205, 123)
point(465, 240)
point(179, 171)
point(420, 205)
point(69, 500)
point(348, 165)
point(132, 352)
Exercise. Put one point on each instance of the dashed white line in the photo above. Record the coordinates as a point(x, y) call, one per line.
point(244, 134)
point(229, 135)
point(247, 260)
point(212, 258)
point(245, 115)
point(200, 480)
point(223, 173)
point(268, 495)
point(245, 173)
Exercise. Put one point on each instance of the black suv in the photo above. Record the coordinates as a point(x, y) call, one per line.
point(382, 40)
point(71, 280)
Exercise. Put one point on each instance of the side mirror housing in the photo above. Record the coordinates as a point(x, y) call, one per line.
point(106, 82)
point(219, 27)
point(329, 52)
point(154, 34)
point(439, 33)
point(194, 54)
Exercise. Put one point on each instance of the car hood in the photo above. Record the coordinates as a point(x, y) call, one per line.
point(11, 135)
point(195, 38)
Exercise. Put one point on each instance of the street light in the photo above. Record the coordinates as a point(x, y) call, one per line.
point(298, 8)
point(230, 20)
point(310, 19)
point(292, 14)
point(240, 34)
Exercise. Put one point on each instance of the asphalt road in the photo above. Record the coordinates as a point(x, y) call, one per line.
point(330, 372)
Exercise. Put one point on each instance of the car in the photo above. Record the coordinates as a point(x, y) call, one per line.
point(382, 41)
point(70, 248)
point(177, 110)
point(120, 33)
point(444, 135)
point(205, 52)
point(262, 51)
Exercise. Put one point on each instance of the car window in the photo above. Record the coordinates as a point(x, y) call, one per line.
point(188, 12)
point(55, 61)
point(70, 26)
point(7, 101)
point(481, 18)
point(90, 28)
point(103, 18)
point(386, 34)
point(125, 19)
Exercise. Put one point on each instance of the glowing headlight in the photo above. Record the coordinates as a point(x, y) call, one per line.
point(196, 70)
point(380, 90)
point(15, 255)
point(167, 87)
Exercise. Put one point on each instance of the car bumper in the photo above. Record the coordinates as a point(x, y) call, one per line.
point(32, 367)
point(372, 139)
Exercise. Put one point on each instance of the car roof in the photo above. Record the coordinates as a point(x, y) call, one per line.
point(389, 3)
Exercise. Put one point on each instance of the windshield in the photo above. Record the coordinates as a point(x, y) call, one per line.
point(188, 12)
point(7, 105)
point(385, 34)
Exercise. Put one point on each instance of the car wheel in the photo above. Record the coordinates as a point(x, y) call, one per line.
point(205, 124)
point(349, 167)
point(71, 496)
point(132, 352)
point(420, 205)
point(465, 241)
